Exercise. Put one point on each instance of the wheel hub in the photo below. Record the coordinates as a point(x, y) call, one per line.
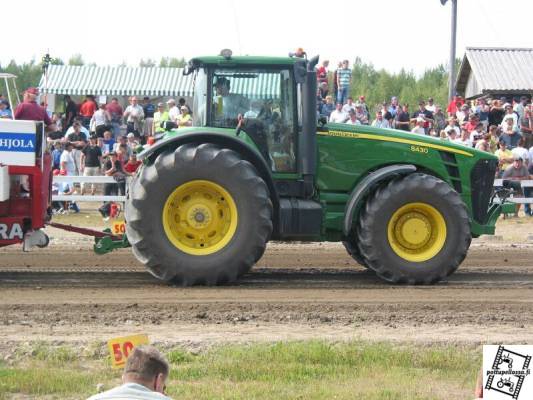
point(416, 232)
point(413, 230)
point(200, 217)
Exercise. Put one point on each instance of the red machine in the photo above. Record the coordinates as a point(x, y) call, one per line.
point(26, 186)
point(25, 183)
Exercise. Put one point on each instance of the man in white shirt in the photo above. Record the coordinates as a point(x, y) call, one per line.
point(349, 105)
point(173, 111)
point(338, 116)
point(83, 129)
point(352, 119)
point(99, 120)
point(452, 126)
point(451, 135)
point(144, 377)
point(465, 139)
point(520, 107)
point(68, 168)
point(134, 115)
point(431, 106)
point(521, 152)
point(380, 122)
point(419, 127)
point(67, 161)
point(509, 113)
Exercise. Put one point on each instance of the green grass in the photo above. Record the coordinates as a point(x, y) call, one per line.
point(293, 370)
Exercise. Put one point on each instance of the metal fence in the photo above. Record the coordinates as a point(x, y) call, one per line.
point(109, 179)
point(85, 179)
point(520, 200)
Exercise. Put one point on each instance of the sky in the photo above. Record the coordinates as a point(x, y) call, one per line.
point(391, 34)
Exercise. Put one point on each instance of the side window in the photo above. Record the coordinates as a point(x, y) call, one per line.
point(283, 140)
point(200, 98)
point(265, 99)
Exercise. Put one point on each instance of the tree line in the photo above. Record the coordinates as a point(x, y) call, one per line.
point(29, 73)
point(377, 85)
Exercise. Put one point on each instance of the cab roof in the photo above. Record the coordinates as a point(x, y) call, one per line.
point(243, 60)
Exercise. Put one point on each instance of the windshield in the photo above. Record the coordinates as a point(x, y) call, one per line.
point(264, 97)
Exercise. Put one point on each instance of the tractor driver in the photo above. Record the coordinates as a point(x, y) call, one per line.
point(228, 105)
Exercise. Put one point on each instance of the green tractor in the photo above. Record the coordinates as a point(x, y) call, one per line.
point(258, 165)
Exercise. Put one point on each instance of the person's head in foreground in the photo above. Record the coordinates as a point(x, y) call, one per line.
point(144, 376)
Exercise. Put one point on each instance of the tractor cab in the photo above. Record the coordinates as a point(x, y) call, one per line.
point(259, 97)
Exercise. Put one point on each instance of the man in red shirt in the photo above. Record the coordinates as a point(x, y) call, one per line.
point(322, 72)
point(29, 109)
point(87, 110)
point(454, 106)
point(472, 123)
point(115, 109)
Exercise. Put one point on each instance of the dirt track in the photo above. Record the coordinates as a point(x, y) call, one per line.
point(295, 292)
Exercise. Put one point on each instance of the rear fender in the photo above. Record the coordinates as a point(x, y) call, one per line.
point(366, 185)
point(247, 152)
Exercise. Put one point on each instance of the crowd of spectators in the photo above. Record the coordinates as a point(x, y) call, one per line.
point(87, 137)
point(502, 126)
point(87, 140)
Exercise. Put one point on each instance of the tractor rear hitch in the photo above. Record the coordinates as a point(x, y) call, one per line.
point(108, 243)
point(104, 241)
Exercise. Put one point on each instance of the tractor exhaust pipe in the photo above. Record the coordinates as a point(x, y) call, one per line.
point(308, 146)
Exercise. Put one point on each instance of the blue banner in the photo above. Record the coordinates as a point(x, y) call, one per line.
point(17, 142)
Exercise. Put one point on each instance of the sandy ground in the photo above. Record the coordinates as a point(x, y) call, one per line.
point(66, 294)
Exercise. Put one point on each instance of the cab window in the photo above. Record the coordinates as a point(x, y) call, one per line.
point(265, 99)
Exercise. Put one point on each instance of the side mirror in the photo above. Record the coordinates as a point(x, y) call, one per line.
point(168, 125)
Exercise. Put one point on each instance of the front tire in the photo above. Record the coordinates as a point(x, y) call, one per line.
point(414, 230)
point(198, 215)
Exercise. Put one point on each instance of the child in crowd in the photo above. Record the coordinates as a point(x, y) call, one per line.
point(108, 142)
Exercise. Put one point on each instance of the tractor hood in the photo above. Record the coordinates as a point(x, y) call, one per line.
point(398, 136)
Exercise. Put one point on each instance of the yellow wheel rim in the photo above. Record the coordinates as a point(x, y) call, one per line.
point(200, 217)
point(417, 232)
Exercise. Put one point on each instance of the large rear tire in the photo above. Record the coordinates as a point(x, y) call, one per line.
point(198, 215)
point(414, 230)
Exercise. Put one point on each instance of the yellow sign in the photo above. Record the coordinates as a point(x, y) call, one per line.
point(121, 347)
point(118, 228)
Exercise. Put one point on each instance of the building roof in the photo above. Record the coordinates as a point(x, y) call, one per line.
point(117, 81)
point(497, 69)
point(147, 81)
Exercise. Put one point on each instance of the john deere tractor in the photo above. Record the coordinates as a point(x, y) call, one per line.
point(258, 165)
